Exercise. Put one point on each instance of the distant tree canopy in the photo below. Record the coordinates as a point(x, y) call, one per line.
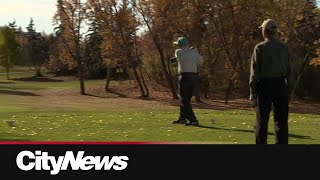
point(27, 48)
point(138, 36)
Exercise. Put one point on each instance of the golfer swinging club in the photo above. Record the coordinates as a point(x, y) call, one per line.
point(188, 60)
point(270, 84)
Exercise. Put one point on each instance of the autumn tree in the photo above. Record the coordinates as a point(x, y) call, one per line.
point(70, 18)
point(119, 26)
point(139, 34)
point(153, 14)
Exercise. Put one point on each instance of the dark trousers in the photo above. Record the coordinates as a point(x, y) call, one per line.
point(273, 91)
point(187, 85)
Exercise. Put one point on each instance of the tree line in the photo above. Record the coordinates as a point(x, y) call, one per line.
point(24, 48)
point(134, 39)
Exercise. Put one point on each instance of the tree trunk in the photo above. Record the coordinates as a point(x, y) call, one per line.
point(143, 94)
point(198, 35)
point(166, 73)
point(81, 77)
point(198, 94)
point(38, 71)
point(79, 61)
point(168, 63)
point(108, 79)
point(8, 68)
point(8, 72)
point(144, 82)
point(243, 80)
point(229, 90)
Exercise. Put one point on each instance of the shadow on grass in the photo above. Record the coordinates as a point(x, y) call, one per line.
point(252, 131)
point(201, 105)
point(105, 95)
point(295, 107)
point(1, 82)
point(13, 140)
point(37, 79)
point(18, 93)
point(7, 138)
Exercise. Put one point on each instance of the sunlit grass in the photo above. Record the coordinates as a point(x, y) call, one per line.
point(47, 118)
point(231, 127)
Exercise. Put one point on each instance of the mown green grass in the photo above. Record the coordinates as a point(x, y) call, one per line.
point(21, 85)
point(17, 69)
point(23, 72)
point(231, 127)
point(39, 119)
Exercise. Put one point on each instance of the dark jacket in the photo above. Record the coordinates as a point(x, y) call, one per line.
point(271, 59)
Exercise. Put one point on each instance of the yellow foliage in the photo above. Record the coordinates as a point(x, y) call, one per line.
point(315, 62)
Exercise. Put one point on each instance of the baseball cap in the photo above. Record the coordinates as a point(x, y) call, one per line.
point(270, 25)
point(182, 41)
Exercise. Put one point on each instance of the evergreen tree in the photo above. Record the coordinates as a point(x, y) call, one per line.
point(9, 49)
point(37, 47)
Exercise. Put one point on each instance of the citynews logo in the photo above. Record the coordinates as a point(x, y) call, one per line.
point(42, 161)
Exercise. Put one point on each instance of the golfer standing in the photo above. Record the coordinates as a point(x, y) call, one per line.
point(270, 84)
point(188, 60)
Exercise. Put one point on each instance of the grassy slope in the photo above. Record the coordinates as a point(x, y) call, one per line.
point(43, 117)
